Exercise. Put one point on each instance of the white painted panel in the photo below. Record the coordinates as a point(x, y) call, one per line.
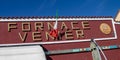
point(22, 53)
point(117, 18)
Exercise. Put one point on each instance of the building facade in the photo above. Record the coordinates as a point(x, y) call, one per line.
point(29, 37)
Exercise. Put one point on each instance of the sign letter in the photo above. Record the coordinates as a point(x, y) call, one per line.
point(11, 26)
point(85, 25)
point(36, 36)
point(79, 34)
point(68, 35)
point(73, 25)
point(26, 26)
point(39, 25)
point(23, 38)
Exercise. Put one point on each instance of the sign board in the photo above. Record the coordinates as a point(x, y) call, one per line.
point(69, 30)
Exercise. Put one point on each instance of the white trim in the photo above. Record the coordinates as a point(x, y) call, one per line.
point(116, 22)
point(67, 41)
point(49, 19)
point(40, 43)
point(115, 37)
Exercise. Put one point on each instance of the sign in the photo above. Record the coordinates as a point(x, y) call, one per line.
point(28, 31)
point(105, 28)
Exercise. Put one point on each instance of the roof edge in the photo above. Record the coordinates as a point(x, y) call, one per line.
point(27, 17)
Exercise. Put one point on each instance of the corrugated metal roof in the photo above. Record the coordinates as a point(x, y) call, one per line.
point(19, 17)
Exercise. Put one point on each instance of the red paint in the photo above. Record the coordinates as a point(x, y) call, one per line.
point(54, 33)
point(12, 37)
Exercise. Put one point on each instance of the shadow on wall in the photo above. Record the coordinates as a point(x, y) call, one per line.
point(47, 57)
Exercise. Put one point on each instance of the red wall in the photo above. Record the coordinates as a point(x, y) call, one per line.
point(113, 54)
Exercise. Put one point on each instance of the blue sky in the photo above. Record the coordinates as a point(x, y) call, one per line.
point(64, 7)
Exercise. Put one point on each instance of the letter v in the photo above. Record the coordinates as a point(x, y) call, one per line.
point(23, 38)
